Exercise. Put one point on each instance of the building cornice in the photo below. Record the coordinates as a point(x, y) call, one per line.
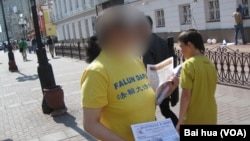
point(76, 16)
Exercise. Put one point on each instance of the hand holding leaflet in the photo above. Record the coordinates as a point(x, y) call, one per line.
point(159, 76)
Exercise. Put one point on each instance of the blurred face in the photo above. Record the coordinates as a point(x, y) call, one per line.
point(128, 38)
point(124, 30)
point(186, 49)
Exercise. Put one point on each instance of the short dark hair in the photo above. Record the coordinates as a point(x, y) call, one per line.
point(150, 21)
point(92, 50)
point(194, 37)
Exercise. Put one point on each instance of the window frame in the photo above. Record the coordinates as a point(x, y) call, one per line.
point(247, 6)
point(65, 6)
point(70, 5)
point(216, 8)
point(188, 15)
point(77, 4)
point(160, 18)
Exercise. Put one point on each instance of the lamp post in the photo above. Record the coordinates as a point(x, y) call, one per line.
point(12, 63)
point(45, 71)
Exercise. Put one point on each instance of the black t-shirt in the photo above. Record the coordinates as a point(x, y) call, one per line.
point(33, 42)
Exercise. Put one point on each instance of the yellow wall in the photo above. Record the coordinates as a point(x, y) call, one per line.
point(50, 27)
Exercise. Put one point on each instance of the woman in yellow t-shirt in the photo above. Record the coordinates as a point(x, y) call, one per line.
point(115, 88)
point(198, 82)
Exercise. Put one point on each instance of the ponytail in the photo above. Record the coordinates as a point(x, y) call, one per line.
point(92, 50)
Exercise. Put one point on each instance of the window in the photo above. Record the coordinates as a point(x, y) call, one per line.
point(77, 4)
point(185, 14)
point(160, 19)
point(213, 10)
point(84, 5)
point(56, 8)
point(70, 5)
point(245, 4)
point(83, 2)
point(65, 6)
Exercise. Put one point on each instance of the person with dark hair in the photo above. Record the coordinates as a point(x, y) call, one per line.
point(34, 44)
point(29, 45)
point(92, 49)
point(115, 87)
point(23, 48)
point(50, 43)
point(157, 51)
point(198, 82)
point(238, 26)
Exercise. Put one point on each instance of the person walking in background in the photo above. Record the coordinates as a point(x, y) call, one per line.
point(29, 45)
point(198, 82)
point(34, 45)
point(158, 51)
point(111, 105)
point(23, 48)
point(14, 45)
point(5, 48)
point(238, 26)
point(50, 44)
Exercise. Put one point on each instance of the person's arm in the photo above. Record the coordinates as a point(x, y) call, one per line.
point(173, 84)
point(187, 77)
point(92, 125)
point(185, 98)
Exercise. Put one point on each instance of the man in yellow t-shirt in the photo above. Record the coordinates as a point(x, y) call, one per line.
point(198, 82)
point(123, 92)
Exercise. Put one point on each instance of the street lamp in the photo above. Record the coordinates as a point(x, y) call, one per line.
point(12, 63)
point(45, 72)
point(23, 23)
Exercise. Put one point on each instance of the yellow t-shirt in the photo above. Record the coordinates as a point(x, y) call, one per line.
point(122, 88)
point(199, 74)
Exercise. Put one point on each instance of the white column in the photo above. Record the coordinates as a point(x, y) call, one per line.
point(64, 32)
point(90, 27)
point(58, 32)
point(77, 28)
point(84, 34)
point(71, 31)
point(67, 33)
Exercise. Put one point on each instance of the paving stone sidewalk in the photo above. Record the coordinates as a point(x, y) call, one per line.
point(21, 118)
